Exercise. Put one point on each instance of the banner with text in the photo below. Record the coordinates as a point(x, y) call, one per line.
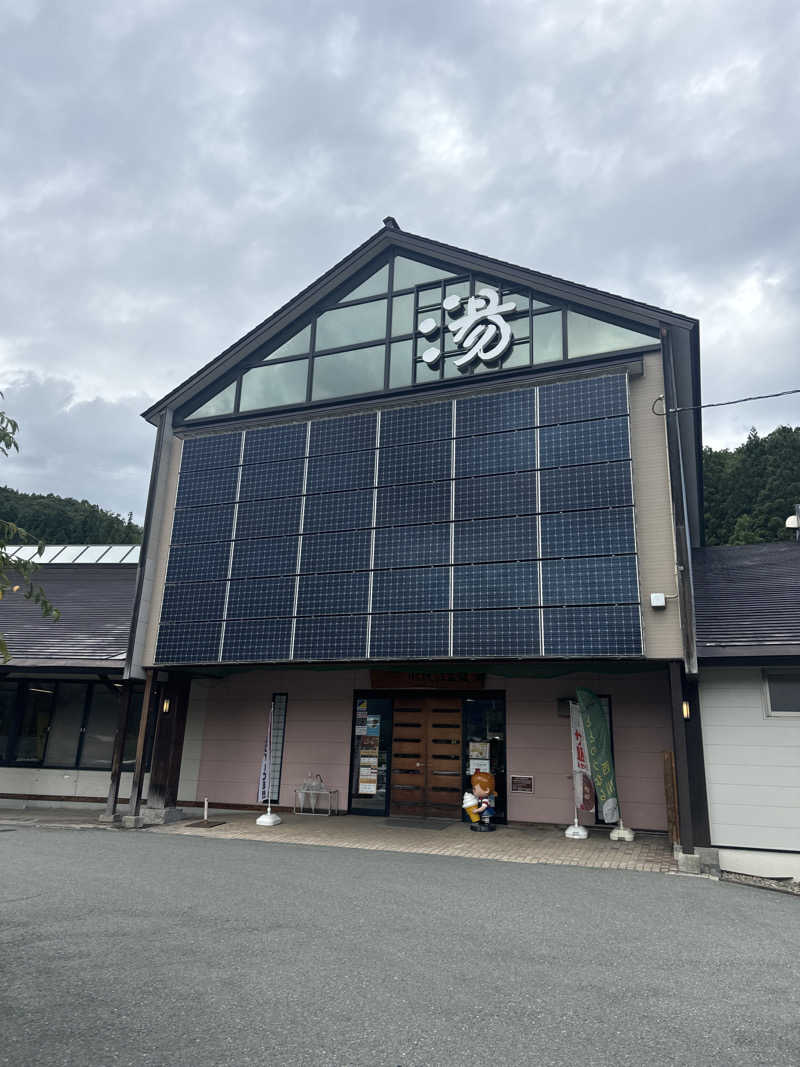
point(597, 736)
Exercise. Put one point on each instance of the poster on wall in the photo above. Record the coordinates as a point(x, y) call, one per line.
point(479, 749)
point(478, 765)
point(361, 718)
point(373, 726)
point(368, 775)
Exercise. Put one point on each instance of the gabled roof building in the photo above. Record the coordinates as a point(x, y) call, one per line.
point(411, 511)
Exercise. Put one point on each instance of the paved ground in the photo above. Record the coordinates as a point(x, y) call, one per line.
point(649, 852)
point(136, 949)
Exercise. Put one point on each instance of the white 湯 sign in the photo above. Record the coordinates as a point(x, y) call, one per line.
point(480, 331)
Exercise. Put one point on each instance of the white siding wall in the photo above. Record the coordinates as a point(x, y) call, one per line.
point(48, 783)
point(752, 763)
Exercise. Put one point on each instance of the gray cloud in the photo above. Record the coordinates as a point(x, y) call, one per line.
point(173, 171)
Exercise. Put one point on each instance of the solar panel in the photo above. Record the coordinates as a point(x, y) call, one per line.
point(496, 495)
point(412, 546)
point(265, 556)
point(195, 525)
point(275, 442)
point(592, 631)
point(333, 594)
point(584, 442)
point(201, 486)
point(268, 518)
point(410, 503)
point(588, 398)
point(349, 434)
point(417, 636)
point(254, 598)
point(338, 511)
point(496, 453)
point(590, 580)
point(327, 637)
point(201, 601)
point(588, 533)
point(496, 585)
point(496, 412)
point(214, 450)
point(353, 470)
point(265, 640)
point(452, 537)
point(496, 633)
point(262, 480)
point(411, 589)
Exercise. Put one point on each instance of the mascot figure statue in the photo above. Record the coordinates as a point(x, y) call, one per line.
point(479, 804)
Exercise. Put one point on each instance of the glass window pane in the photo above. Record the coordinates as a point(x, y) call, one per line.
point(270, 387)
point(65, 730)
point(457, 289)
point(8, 700)
point(520, 328)
point(403, 314)
point(35, 721)
point(373, 741)
point(400, 364)
point(537, 305)
point(349, 373)
point(587, 336)
point(374, 285)
point(428, 298)
point(520, 300)
point(348, 325)
point(431, 313)
point(426, 373)
point(408, 272)
point(784, 693)
point(221, 404)
point(547, 338)
point(295, 346)
point(519, 356)
point(98, 741)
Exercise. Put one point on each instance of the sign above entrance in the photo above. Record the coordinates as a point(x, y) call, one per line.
point(481, 331)
point(426, 680)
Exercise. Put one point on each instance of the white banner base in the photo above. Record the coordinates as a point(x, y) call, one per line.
point(621, 833)
point(268, 819)
point(576, 832)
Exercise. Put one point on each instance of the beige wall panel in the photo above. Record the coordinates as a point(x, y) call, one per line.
point(158, 554)
point(654, 534)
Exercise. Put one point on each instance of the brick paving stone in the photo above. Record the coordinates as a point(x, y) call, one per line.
point(509, 844)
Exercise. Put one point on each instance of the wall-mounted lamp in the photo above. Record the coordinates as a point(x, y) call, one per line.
point(165, 706)
point(687, 711)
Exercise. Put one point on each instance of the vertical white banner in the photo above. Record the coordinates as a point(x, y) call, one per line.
point(265, 777)
point(581, 771)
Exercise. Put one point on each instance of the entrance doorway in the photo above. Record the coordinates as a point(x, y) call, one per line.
point(426, 775)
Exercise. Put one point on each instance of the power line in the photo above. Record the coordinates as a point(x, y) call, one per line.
point(720, 403)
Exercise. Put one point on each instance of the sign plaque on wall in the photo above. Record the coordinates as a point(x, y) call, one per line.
point(521, 783)
point(426, 680)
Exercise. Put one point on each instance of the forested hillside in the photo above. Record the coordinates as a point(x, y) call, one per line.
point(59, 520)
point(752, 489)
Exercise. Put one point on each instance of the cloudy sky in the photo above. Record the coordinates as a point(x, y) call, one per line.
point(171, 171)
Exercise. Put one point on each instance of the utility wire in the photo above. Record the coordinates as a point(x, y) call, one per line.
point(719, 404)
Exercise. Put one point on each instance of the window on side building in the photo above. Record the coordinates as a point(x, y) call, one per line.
point(782, 694)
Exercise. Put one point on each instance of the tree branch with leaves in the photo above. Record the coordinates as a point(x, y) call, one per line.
point(16, 575)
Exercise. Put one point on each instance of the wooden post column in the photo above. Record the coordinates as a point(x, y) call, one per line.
point(685, 820)
point(149, 704)
point(110, 814)
point(165, 766)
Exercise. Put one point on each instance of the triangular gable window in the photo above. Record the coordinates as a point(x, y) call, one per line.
point(376, 285)
point(408, 273)
point(220, 404)
point(295, 346)
point(590, 337)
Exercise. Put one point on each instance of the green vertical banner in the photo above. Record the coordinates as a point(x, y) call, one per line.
point(598, 745)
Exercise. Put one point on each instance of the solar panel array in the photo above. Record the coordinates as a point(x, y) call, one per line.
point(499, 524)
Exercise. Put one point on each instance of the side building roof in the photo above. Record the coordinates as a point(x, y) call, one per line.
point(96, 605)
point(747, 600)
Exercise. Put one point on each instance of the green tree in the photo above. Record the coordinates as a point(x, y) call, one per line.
point(16, 576)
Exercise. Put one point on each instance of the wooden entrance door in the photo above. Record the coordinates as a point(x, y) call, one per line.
point(426, 757)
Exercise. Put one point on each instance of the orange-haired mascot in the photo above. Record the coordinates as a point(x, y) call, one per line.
point(479, 804)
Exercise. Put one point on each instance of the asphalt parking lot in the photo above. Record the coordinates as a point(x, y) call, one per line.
point(131, 949)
